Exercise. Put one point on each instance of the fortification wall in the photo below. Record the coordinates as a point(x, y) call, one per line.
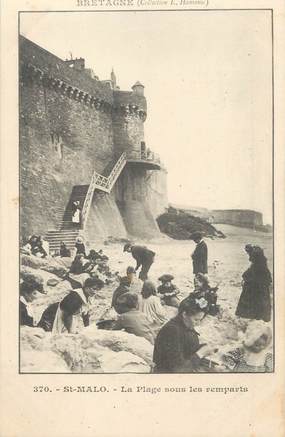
point(104, 218)
point(156, 191)
point(238, 217)
point(71, 125)
point(62, 141)
point(135, 203)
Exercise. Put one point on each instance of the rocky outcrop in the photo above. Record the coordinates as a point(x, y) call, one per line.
point(42, 362)
point(90, 351)
point(179, 225)
point(50, 265)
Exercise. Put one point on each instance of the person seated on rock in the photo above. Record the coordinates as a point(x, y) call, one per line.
point(135, 282)
point(79, 265)
point(93, 256)
point(80, 247)
point(143, 256)
point(96, 261)
point(131, 278)
point(79, 271)
point(131, 273)
point(177, 348)
point(26, 247)
point(76, 303)
point(124, 287)
point(254, 354)
point(28, 293)
point(203, 289)
point(37, 248)
point(150, 305)
point(63, 251)
point(168, 291)
point(131, 319)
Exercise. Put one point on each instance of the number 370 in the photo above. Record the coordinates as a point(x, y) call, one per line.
point(41, 388)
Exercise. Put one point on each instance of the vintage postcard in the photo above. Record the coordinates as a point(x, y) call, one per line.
point(143, 218)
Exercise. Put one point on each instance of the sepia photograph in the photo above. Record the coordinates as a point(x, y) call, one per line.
point(146, 192)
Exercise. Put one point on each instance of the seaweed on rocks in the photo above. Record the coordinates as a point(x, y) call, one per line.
point(180, 225)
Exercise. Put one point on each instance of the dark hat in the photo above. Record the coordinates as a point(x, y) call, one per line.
point(166, 277)
point(131, 269)
point(94, 282)
point(196, 236)
point(248, 248)
point(127, 246)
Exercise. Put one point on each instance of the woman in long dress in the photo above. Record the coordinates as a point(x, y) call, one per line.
point(254, 302)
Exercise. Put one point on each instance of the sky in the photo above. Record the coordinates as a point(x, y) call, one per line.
point(207, 78)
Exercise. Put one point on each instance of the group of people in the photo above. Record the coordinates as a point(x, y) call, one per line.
point(142, 311)
point(34, 245)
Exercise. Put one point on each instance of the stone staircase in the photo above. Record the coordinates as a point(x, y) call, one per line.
point(66, 230)
point(68, 236)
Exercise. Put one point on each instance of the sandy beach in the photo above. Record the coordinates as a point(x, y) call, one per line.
point(227, 262)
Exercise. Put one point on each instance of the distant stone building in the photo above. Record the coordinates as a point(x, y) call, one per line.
point(238, 217)
point(82, 139)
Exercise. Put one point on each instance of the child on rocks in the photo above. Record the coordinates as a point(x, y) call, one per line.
point(168, 292)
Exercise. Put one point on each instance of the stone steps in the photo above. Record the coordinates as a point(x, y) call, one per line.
point(66, 235)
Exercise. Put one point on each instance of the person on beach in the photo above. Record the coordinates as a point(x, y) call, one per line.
point(63, 251)
point(76, 213)
point(151, 306)
point(203, 289)
point(80, 247)
point(78, 265)
point(255, 354)
point(28, 293)
point(248, 249)
point(131, 273)
point(254, 301)
point(76, 305)
point(200, 254)
point(177, 348)
point(123, 288)
point(143, 256)
point(167, 291)
point(37, 249)
point(131, 319)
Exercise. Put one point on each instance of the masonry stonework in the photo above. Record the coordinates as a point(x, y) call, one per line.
point(72, 125)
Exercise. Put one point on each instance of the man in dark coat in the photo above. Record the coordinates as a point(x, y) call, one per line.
point(200, 254)
point(143, 256)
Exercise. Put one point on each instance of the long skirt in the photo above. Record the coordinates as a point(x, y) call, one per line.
point(254, 303)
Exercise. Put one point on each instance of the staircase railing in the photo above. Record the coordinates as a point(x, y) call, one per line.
point(106, 184)
point(102, 183)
